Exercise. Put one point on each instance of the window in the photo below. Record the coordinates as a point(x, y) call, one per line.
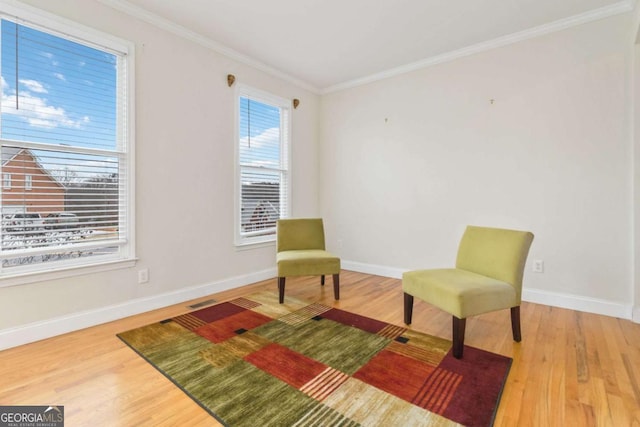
point(262, 181)
point(64, 133)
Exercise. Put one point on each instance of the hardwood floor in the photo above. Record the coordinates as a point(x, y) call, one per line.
point(571, 368)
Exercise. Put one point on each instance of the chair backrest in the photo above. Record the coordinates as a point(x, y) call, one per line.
point(300, 234)
point(495, 252)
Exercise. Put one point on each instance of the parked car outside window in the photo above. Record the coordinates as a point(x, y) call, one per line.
point(28, 221)
point(61, 220)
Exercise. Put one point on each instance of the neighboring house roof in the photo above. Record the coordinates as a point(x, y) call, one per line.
point(9, 153)
point(260, 204)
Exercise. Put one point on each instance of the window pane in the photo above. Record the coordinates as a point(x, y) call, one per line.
point(55, 90)
point(260, 201)
point(64, 160)
point(263, 165)
point(74, 199)
point(259, 134)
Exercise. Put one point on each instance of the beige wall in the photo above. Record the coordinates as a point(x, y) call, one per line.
point(184, 172)
point(408, 161)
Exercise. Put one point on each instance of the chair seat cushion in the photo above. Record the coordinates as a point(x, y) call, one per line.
point(459, 292)
point(307, 262)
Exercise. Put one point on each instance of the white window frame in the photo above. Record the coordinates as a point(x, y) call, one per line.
point(28, 182)
point(245, 240)
point(72, 30)
point(6, 181)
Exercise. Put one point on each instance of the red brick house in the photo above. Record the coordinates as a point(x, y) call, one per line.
point(26, 186)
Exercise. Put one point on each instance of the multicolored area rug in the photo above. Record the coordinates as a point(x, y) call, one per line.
point(254, 362)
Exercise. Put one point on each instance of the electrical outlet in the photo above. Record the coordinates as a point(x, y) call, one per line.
point(538, 266)
point(143, 275)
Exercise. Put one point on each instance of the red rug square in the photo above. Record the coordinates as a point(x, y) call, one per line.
point(289, 366)
point(217, 312)
point(226, 327)
point(395, 374)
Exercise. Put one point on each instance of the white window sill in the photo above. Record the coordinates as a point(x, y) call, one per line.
point(65, 272)
point(245, 246)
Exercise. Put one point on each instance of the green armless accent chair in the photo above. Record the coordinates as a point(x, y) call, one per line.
point(301, 252)
point(487, 277)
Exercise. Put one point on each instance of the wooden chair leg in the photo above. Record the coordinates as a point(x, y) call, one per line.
point(408, 308)
point(322, 280)
point(458, 336)
point(336, 286)
point(281, 281)
point(515, 323)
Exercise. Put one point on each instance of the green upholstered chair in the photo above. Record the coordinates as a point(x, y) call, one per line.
point(301, 252)
point(487, 277)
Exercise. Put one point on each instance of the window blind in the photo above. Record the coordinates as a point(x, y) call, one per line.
point(65, 160)
point(263, 163)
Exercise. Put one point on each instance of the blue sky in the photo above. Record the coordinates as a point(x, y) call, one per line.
point(262, 123)
point(58, 92)
point(65, 91)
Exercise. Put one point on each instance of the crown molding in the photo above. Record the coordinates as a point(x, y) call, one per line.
point(620, 7)
point(165, 24)
point(562, 24)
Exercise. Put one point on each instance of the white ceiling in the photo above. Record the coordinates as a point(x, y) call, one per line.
point(327, 44)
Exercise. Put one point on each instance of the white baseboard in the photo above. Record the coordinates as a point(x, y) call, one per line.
point(378, 270)
point(13, 337)
point(577, 302)
point(572, 302)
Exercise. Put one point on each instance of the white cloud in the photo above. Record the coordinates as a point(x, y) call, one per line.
point(34, 86)
point(269, 137)
point(35, 110)
point(268, 142)
point(60, 76)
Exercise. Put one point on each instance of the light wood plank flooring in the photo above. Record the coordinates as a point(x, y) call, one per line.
point(571, 368)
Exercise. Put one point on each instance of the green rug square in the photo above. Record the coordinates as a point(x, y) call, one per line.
point(242, 394)
point(319, 339)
